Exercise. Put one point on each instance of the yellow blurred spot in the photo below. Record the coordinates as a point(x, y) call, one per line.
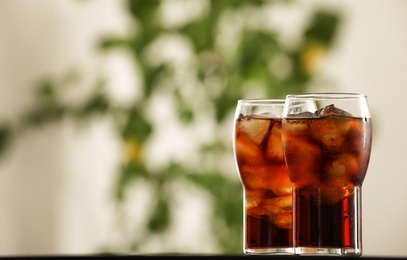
point(132, 150)
point(310, 58)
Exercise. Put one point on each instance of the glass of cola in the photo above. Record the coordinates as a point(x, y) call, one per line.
point(326, 141)
point(266, 185)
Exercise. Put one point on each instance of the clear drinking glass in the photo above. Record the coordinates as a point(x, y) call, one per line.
point(326, 139)
point(262, 171)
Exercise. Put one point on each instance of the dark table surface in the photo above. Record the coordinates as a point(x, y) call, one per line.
point(194, 256)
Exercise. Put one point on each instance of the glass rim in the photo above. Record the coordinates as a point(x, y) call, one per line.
point(261, 101)
point(324, 95)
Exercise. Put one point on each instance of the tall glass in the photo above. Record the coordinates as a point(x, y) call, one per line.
point(326, 139)
point(266, 185)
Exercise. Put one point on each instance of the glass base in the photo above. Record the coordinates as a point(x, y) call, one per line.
point(269, 251)
point(327, 251)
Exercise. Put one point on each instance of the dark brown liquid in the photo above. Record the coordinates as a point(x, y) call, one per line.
point(262, 233)
point(320, 225)
point(327, 159)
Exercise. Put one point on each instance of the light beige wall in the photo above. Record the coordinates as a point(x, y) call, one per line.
point(55, 182)
point(372, 58)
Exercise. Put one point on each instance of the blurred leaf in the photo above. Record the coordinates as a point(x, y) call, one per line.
point(48, 107)
point(254, 53)
point(128, 174)
point(185, 113)
point(212, 181)
point(224, 104)
point(5, 138)
point(112, 42)
point(160, 218)
point(234, 4)
point(46, 91)
point(143, 10)
point(152, 77)
point(98, 103)
point(201, 32)
point(136, 126)
point(323, 27)
point(43, 114)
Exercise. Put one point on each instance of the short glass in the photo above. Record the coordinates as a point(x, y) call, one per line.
point(326, 139)
point(261, 166)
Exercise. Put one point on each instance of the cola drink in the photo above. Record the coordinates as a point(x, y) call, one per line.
point(267, 187)
point(327, 154)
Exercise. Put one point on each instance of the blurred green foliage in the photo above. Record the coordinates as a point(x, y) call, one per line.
point(255, 60)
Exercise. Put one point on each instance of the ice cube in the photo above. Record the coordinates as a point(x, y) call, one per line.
point(332, 142)
point(283, 220)
point(266, 115)
point(281, 202)
point(346, 166)
point(253, 198)
point(277, 209)
point(254, 127)
point(280, 183)
point(274, 146)
point(280, 210)
point(331, 110)
point(305, 114)
point(357, 141)
point(356, 128)
point(330, 132)
point(333, 191)
point(256, 177)
point(247, 151)
point(295, 127)
point(257, 211)
point(303, 160)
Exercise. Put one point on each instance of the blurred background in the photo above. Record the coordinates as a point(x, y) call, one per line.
point(116, 116)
